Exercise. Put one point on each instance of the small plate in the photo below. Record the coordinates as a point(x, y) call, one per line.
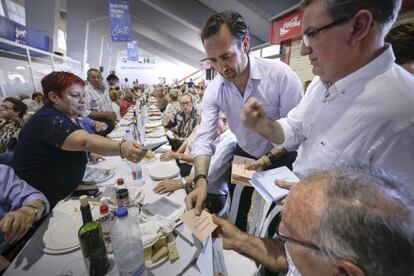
point(149, 160)
point(97, 175)
point(62, 234)
point(160, 261)
point(164, 171)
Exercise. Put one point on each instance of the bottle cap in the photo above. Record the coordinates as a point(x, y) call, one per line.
point(83, 200)
point(103, 209)
point(120, 181)
point(121, 212)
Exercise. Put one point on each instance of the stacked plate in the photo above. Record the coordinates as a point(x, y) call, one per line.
point(164, 171)
point(96, 175)
point(61, 235)
point(154, 118)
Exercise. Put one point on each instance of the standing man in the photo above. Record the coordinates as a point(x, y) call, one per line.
point(226, 41)
point(359, 110)
point(98, 104)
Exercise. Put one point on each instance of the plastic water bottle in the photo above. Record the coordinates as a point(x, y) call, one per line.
point(137, 177)
point(127, 244)
point(106, 220)
point(128, 135)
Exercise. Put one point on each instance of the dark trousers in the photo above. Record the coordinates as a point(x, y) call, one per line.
point(246, 195)
point(185, 168)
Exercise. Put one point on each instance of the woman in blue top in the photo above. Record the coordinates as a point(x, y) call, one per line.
point(51, 152)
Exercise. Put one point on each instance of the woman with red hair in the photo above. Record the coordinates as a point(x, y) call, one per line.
point(51, 152)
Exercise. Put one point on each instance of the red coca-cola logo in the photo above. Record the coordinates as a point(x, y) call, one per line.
point(289, 25)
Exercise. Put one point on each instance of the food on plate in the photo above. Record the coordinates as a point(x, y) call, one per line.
point(149, 155)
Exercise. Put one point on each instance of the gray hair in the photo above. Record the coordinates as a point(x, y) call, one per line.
point(368, 220)
point(383, 12)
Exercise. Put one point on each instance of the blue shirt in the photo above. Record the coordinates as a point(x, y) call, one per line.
point(39, 159)
point(14, 194)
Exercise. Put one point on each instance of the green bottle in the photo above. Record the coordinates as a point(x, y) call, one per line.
point(92, 242)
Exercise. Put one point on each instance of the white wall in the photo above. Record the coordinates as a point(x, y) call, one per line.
point(149, 73)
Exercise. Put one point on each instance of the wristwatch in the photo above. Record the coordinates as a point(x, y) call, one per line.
point(36, 211)
point(198, 177)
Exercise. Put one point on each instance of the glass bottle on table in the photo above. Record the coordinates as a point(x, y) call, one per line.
point(92, 242)
point(122, 194)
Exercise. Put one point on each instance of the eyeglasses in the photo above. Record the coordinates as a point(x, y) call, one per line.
point(185, 103)
point(285, 239)
point(5, 107)
point(308, 37)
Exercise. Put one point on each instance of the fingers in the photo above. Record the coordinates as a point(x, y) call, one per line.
point(189, 202)
point(284, 184)
point(251, 166)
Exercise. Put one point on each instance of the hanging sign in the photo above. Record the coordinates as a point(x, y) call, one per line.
point(119, 20)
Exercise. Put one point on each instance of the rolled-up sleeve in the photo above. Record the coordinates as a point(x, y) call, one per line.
point(16, 193)
point(292, 124)
point(205, 132)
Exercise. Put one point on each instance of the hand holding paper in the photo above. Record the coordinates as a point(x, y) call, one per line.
point(201, 226)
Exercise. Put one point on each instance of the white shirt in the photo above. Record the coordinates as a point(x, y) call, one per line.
point(220, 165)
point(116, 109)
point(96, 100)
point(272, 82)
point(367, 118)
point(292, 270)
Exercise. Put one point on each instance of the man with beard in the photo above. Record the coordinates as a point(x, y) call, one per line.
point(226, 41)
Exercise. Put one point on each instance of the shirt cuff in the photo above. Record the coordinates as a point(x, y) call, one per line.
point(288, 133)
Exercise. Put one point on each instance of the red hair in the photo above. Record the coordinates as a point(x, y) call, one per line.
point(59, 81)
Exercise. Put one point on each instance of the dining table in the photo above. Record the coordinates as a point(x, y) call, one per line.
point(35, 259)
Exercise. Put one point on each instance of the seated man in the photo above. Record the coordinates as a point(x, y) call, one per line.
point(219, 171)
point(336, 222)
point(20, 206)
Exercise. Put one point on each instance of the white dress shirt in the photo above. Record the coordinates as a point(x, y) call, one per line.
point(366, 118)
point(220, 166)
point(270, 81)
point(97, 100)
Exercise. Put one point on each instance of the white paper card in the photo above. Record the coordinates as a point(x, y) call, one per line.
point(264, 183)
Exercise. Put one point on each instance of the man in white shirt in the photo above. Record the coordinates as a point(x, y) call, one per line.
point(226, 41)
point(343, 221)
point(98, 104)
point(359, 110)
point(219, 171)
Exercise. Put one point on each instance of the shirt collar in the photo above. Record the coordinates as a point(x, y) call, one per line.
point(254, 73)
point(374, 68)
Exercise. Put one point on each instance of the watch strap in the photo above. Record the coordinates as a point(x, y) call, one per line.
point(198, 177)
point(36, 211)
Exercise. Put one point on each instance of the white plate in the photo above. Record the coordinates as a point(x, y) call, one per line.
point(62, 233)
point(160, 261)
point(155, 134)
point(116, 134)
point(149, 160)
point(152, 124)
point(163, 171)
point(96, 175)
point(154, 118)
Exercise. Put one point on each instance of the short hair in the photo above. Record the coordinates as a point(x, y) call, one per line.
point(36, 94)
point(113, 95)
point(402, 40)
point(233, 20)
point(368, 219)
point(383, 12)
point(174, 94)
point(18, 106)
point(93, 70)
point(112, 77)
point(58, 81)
point(187, 95)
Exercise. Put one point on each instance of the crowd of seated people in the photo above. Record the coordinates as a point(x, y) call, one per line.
point(357, 112)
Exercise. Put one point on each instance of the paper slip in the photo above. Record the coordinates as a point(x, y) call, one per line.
point(239, 175)
point(264, 183)
point(201, 226)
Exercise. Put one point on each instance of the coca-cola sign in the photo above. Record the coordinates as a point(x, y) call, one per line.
point(286, 27)
point(289, 25)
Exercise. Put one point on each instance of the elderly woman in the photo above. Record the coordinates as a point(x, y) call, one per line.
point(51, 152)
point(12, 111)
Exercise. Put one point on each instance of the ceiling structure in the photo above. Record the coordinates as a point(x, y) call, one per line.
point(171, 28)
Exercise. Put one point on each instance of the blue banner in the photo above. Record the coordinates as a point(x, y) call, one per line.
point(119, 20)
point(16, 32)
point(133, 51)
